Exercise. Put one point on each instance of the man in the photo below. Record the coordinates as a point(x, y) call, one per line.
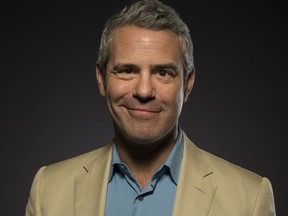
point(145, 71)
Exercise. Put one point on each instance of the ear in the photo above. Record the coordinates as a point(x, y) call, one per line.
point(189, 85)
point(100, 80)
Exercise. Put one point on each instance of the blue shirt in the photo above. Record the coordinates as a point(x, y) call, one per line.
point(125, 197)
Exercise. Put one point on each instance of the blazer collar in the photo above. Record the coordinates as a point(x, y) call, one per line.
point(195, 190)
point(90, 187)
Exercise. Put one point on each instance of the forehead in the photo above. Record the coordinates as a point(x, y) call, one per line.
point(131, 41)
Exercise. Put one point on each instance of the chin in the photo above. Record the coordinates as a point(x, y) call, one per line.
point(146, 137)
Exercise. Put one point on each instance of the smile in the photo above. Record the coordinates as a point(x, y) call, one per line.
point(143, 113)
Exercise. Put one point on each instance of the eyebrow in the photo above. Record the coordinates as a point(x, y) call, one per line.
point(119, 67)
point(171, 66)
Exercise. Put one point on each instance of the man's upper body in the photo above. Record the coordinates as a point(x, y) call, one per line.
point(145, 71)
point(207, 185)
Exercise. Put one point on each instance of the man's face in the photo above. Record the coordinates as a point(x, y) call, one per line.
point(144, 83)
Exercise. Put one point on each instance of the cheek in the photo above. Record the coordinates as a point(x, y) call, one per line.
point(179, 100)
point(174, 97)
point(116, 90)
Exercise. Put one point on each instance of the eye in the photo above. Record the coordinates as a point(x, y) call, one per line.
point(125, 73)
point(164, 75)
point(126, 70)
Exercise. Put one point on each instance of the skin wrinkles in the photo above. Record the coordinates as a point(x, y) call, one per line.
point(171, 69)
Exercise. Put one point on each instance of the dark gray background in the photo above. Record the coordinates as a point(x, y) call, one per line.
point(51, 108)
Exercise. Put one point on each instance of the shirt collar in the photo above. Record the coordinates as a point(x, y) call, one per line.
point(115, 160)
point(173, 162)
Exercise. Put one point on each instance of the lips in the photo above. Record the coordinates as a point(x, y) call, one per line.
point(143, 112)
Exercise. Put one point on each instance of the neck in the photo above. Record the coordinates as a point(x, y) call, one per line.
point(144, 160)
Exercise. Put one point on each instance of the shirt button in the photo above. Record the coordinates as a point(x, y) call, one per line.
point(122, 167)
point(140, 198)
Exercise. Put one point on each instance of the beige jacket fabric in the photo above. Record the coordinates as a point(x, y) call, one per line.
point(207, 186)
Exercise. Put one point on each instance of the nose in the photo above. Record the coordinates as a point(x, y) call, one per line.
point(144, 89)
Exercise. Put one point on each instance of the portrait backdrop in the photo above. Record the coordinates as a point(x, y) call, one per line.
point(51, 108)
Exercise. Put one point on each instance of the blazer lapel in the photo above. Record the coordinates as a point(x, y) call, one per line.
point(90, 188)
point(195, 190)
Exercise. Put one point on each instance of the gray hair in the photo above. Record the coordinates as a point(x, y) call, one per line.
point(149, 14)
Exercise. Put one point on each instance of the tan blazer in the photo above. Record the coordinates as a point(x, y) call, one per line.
point(207, 186)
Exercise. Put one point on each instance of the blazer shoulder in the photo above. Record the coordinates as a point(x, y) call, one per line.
point(76, 165)
point(226, 168)
point(222, 169)
point(229, 188)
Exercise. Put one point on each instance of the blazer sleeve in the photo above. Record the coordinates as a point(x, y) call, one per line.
point(33, 207)
point(264, 204)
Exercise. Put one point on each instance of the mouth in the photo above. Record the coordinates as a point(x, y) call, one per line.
point(143, 113)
